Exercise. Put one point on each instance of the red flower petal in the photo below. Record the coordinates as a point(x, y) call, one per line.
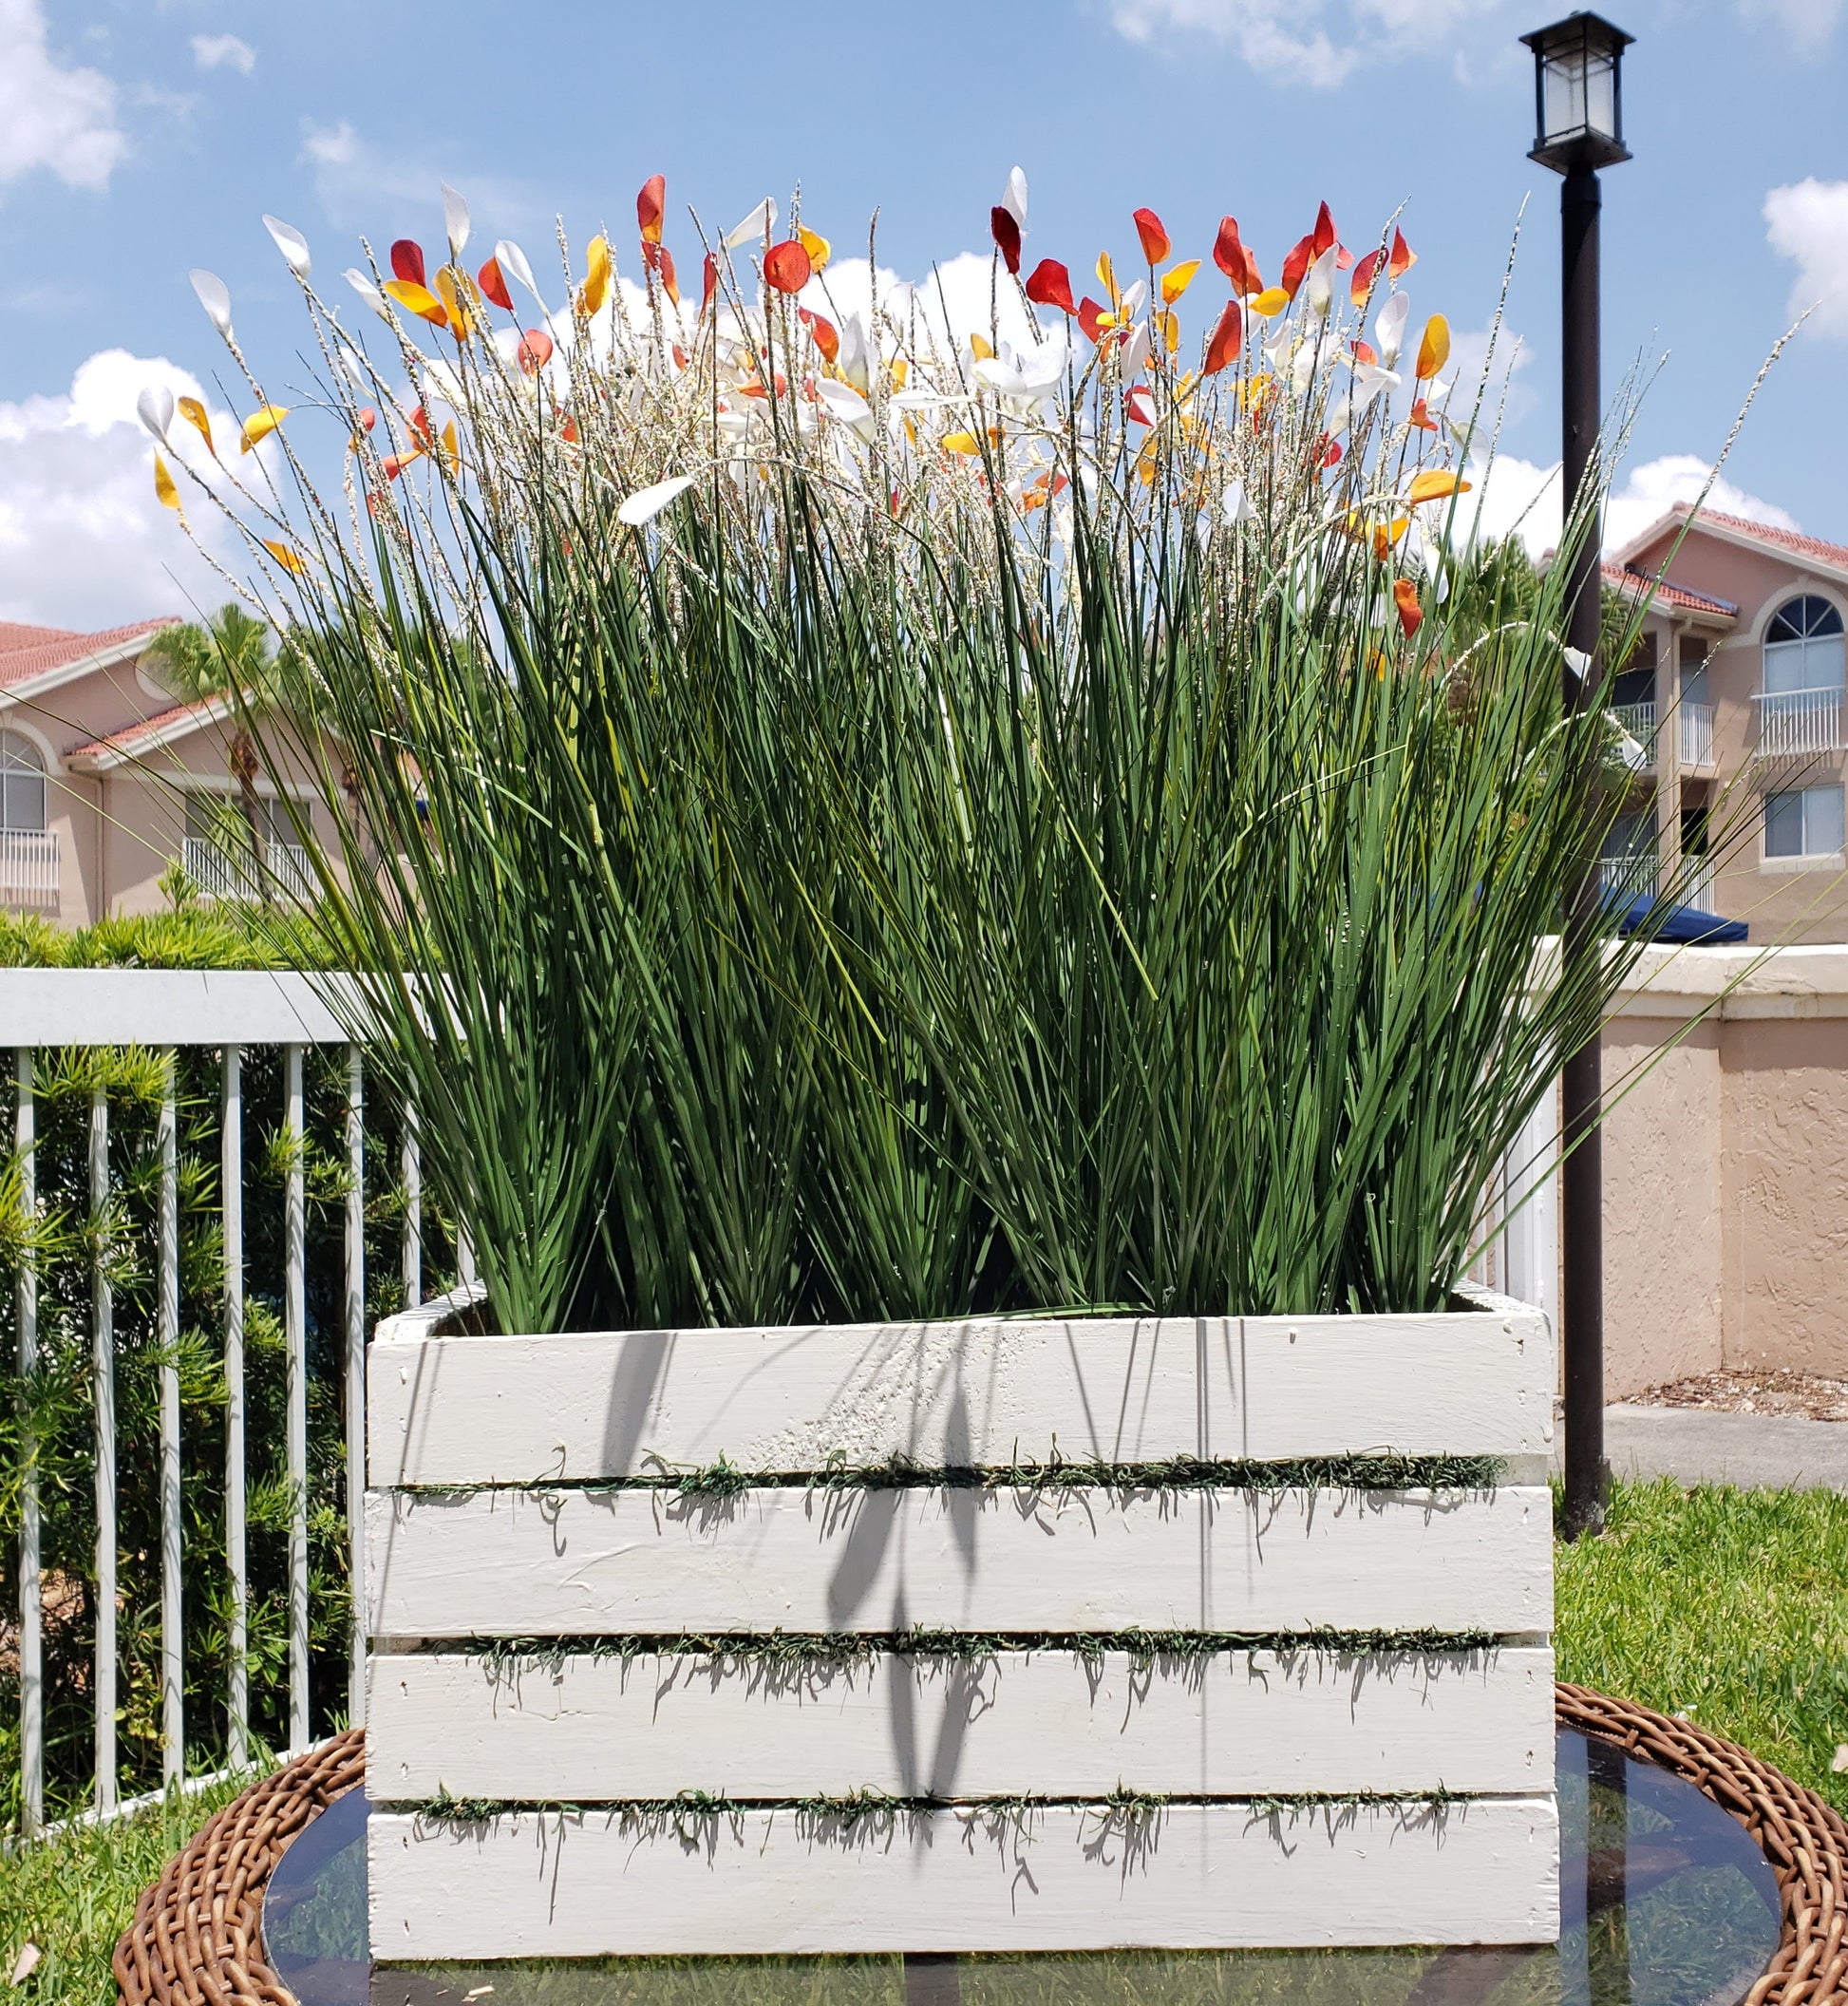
point(1411, 614)
point(1155, 239)
point(1089, 314)
point(1322, 236)
point(1006, 232)
point(709, 281)
point(534, 350)
point(786, 266)
point(649, 206)
point(1228, 339)
point(407, 261)
point(1362, 280)
point(1235, 261)
point(1050, 285)
point(827, 336)
point(1403, 257)
point(1301, 256)
point(493, 286)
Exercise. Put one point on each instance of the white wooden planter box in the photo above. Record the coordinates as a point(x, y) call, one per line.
point(555, 1623)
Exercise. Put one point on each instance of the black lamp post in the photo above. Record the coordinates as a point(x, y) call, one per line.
point(1578, 119)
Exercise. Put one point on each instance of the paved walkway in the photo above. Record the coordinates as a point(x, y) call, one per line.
point(1696, 1445)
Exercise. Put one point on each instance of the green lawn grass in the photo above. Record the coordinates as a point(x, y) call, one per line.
point(1731, 1606)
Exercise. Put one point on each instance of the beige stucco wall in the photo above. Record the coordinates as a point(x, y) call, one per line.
point(1726, 1167)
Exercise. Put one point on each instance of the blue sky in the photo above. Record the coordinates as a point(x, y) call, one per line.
point(139, 138)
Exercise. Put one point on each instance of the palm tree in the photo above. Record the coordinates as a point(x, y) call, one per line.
point(228, 655)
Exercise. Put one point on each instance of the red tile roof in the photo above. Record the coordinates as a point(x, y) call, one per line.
point(1791, 540)
point(132, 738)
point(1630, 577)
point(30, 651)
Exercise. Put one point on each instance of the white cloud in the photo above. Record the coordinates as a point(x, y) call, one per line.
point(1519, 496)
point(355, 180)
point(50, 116)
point(83, 543)
point(224, 53)
point(1291, 39)
point(1808, 222)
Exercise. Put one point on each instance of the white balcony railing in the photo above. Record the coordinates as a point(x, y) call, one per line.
point(1630, 876)
point(1637, 721)
point(221, 873)
point(28, 867)
point(1696, 734)
point(1792, 724)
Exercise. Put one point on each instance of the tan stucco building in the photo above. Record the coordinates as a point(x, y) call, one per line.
point(105, 782)
point(1736, 699)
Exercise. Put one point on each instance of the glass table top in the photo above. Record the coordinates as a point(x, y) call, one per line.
point(1665, 1901)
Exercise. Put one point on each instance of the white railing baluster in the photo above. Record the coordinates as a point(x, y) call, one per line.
point(356, 1380)
point(231, 1189)
point(102, 1362)
point(173, 1664)
point(31, 1607)
point(464, 1255)
point(413, 1211)
point(295, 1338)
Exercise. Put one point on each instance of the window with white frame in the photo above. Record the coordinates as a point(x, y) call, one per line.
point(1803, 647)
point(21, 783)
point(1803, 822)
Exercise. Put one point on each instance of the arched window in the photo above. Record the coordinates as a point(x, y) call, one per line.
point(21, 783)
point(1803, 647)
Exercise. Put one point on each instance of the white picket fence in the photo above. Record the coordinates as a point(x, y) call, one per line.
point(231, 1012)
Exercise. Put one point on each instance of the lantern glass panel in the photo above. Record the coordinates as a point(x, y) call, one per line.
point(1562, 85)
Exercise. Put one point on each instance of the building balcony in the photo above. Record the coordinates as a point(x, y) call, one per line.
point(1630, 875)
point(1797, 724)
point(221, 873)
point(1637, 721)
point(30, 866)
point(1696, 734)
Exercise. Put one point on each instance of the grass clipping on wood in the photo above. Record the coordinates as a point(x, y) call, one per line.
point(907, 818)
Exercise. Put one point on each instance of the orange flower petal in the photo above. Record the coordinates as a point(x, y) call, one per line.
point(290, 560)
point(1228, 340)
point(786, 266)
point(1434, 487)
point(1411, 614)
point(1434, 349)
point(165, 492)
point(1155, 237)
point(595, 288)
point(419, 300)
point(649, 206)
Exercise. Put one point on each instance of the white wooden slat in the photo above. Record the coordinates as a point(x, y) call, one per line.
point(230, 1184)
point(576, 1885)
point(296, 1343)
point(592, 1729)
point(158, 1005)
point(173, 1631)
point(636, 1561)
point(31, 1607)
point(466, 1410)
point(103, 1380)
point(355, 1376)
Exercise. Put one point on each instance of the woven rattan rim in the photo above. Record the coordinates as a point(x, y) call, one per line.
point(197, 1937)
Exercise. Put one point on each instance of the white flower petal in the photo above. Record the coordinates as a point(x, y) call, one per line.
point(1014, 201)
point(291, 242)
point(455, 219)
point(1134, 350)
point(1390, 328)
point(155, 409)
point(1318, 285)
point(368, 292)
point(512, 260)
point(213, 298)
point(844, 402)
point(758, 224)
point(648, 502)
point(1233, 505)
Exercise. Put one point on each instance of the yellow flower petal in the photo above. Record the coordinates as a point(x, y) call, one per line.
point(595, 288)
point(452, 451)
point(1175, 282)
point(1434, 351)
point(1269, 303)
point(260, 423)
point(980, 348)
point(818, 247)
point(452, 303)
point(163, 488)
point(290, 560)
point(419, 300)
point(961, 442)
point(1106, 275)
point(193, 413)
point(1434, 487)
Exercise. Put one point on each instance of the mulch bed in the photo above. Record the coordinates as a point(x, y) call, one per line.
point(1807, 1395)
point(197, 1937)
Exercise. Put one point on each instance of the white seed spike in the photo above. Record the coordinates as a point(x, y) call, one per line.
point(455, 219)
point(155, 409)
point(291, 242)
point(214, 298)
point(1014, 201)
point(758, 223)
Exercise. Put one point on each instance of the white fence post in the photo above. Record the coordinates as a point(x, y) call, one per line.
point(173, 1643)
point(295, 1338)
point(230, 1188)
point(32, 1608)
point(104, 1380)
point(356, 1382)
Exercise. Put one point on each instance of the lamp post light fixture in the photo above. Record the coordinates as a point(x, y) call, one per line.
point(1578, 119)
